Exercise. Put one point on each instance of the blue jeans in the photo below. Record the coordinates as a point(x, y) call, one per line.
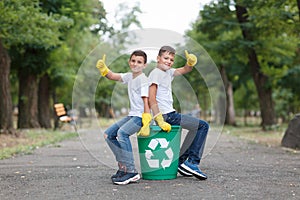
point(119, 142)
point(193, 145)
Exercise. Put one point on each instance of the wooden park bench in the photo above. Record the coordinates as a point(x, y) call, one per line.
point(63, 116)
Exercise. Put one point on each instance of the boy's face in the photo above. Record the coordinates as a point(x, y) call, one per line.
point(137, 63)
point(165, 61)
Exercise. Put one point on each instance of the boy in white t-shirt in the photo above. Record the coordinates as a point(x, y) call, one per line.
point(117, 135)
point(161, 104)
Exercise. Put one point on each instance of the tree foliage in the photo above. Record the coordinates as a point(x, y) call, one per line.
point(274, 38)
point(23, 24)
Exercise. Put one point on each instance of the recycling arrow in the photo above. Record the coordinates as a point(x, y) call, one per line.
point(154, 163)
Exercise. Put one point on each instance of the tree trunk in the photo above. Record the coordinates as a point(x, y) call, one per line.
point(205, 108)
point(298, 3)
point(28, 109)
point(260, 80)
point(220, 112)
point(230, 113)
point(6, 108)
point(245, 116)
point(82, 112)
point(56, 120)
point(44, 102)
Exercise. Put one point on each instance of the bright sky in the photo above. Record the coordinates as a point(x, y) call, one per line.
point(163, 14)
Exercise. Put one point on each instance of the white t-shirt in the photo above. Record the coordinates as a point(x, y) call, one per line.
point(163, 80)
point(137, 88)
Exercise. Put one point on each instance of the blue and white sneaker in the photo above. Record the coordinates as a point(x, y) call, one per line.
point(193, 169)
point(118, 174)
point(183, 172)
point(127, 178)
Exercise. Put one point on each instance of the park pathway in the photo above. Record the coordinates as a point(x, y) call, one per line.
point(81, 168)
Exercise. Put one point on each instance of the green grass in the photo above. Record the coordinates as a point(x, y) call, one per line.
point(30, 140)
point(257, 135)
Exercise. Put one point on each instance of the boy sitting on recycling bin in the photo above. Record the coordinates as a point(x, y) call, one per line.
point(161, 104)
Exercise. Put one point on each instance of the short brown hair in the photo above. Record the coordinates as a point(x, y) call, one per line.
point(139, 53)
point(164, 49)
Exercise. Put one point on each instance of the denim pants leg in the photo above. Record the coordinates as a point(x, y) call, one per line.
point(129, 128)
point(111, 139)
point(193, 145)
point(119, 142)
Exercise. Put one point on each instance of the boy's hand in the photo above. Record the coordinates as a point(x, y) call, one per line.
point(145, 130)
point(191, 59)
point(161, 123)
point(102, 66)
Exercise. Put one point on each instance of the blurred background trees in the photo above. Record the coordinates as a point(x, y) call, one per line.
point(255, 45)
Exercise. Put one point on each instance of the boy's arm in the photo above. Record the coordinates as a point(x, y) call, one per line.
point(157, 115)
point(114, 76)
point(152, 99)
point(106, 72)
point(146, 104)
point(191, 61)
point(183, 70)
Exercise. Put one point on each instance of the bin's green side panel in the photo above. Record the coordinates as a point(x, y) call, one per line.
point(166, 145)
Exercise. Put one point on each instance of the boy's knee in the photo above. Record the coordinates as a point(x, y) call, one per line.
point(120, 135)
point(207, 125)
point(204, 124)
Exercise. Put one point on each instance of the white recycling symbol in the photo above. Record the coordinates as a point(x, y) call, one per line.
point(154, 163)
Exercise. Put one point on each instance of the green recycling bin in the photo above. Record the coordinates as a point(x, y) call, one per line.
point(159, 153)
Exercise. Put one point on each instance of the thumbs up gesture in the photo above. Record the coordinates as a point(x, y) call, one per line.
point(191, 59)
point(102, 66)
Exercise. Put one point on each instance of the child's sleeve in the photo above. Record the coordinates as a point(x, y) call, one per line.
point(125, 77)
point(145, 87)
point(171, 72)
point(154, 77)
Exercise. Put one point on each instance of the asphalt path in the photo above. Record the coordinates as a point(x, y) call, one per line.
point(81, 168)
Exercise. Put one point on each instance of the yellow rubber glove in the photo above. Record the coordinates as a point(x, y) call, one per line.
point(191, 59)
point(102, 66)
point(161, 123)
point(145, 130)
